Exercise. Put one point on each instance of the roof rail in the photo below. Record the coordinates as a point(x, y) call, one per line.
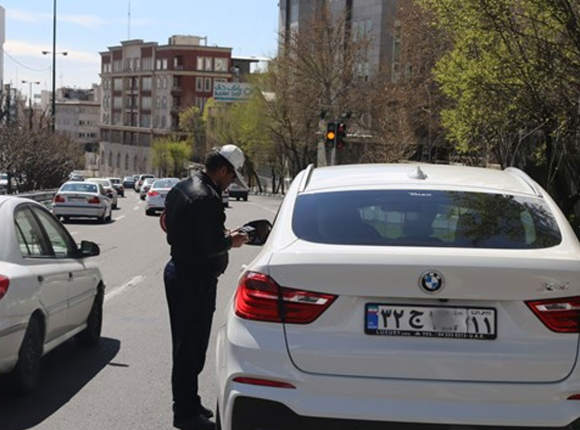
point(306, 178)
point(524, 177)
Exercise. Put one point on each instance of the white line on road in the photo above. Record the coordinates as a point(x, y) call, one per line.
point(126, 286)
point(120, 217)
point(136, 208)
point(74, 232)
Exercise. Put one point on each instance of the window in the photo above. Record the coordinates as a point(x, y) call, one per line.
point(199, 84)
point(156, 121)
point(126, 161)
point(207, 85)
point(118, 160)
point(135, 64)
point(147, 63)
point(164, 82)
point(164, 64)
point(157, 102)
point(118, 102)
point(135, 163)
point(62, 244)
point(158, 65)
point(164, 103)
point(158, 83)
point(163, 122)
point(147, 84)
point(425, 218)
point(118, 84)
point(208, 64)
point(30, 237)
point(111, 158)
point(146, 103)
point(200, 63)
point(220, 64)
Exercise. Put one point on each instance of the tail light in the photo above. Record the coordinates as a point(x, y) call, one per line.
point(260, 298)
point(94, 201)
point(121, 187)
point(559, 315)
point(4, 284)
point(58, 199)
point(152, 193)
point(263, 382)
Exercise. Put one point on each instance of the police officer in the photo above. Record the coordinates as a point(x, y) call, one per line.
point(199, 254)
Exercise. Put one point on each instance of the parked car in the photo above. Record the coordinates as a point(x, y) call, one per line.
point(238, 192)
point(145, 186)
point(406, 294)
point(109, 189)
point(82, 200)
point(129, 182)
point(3, 183)
point(140, 181)
point(155, 198)
point(50, 290)
point(117, 184)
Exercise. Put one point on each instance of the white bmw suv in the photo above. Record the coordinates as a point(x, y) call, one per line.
point(406, 294)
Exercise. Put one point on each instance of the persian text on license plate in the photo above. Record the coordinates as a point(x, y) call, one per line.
point(430, 321)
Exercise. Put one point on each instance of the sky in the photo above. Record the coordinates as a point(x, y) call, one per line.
point(87, 27)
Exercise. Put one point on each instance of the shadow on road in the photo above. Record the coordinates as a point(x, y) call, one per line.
point(65, 371)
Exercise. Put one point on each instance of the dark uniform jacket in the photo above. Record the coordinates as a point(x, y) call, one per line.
point(195, 225)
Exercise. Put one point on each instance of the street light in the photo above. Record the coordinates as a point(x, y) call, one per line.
point(30, 98)
point(53, 52)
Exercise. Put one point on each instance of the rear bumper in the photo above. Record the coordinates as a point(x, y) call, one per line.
point(75, 211)
point(251, 413)
point(10, 341)
point(259, 351)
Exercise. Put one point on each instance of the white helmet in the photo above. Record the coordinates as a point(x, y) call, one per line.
point(236, 158)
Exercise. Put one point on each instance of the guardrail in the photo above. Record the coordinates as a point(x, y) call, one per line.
point(44, 196)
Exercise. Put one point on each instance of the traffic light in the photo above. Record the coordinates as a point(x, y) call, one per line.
point(330, 135)
point(340, 135)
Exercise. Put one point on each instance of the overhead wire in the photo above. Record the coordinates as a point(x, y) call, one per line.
point(23, 65)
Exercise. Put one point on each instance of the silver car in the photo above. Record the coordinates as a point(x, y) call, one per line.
point(145, 186)
point(82, 199)
point(155, 199)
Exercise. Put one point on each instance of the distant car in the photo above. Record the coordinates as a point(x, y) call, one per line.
point(129, 182)
point(238, 192)
point(406, 297)
point(155, 199)
point(49, 290)
point(109, 189)
point(82, 200)
point(76, 176)
point(226, 198)
point(140, 180)
point(118, 186)
point(3, 183)
point(145, 186)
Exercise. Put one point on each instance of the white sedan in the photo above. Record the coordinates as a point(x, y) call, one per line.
point(82, 199)
point(49, 290)
point(110, 190)
point(406, 294)
point(155, 197)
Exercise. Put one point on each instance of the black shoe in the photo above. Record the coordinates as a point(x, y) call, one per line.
point(205, 412)
point(198, 423)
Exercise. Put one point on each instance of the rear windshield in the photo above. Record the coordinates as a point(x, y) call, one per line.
point(425, 218)
point(115, 181)
point(166, 183)
point(84, 188)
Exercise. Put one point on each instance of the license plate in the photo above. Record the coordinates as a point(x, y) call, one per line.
point(77, 199)
point(430, 321)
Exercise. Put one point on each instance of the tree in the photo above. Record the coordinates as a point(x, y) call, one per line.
point(513, 75)
point(192, 121)
point(170, 156)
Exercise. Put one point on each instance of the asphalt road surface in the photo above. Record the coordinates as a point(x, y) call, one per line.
point(124, 383)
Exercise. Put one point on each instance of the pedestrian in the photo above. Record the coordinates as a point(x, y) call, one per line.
point(199, 255)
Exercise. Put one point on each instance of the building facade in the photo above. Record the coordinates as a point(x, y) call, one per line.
point(2, 40)
point(374, 19)
point(145, 87)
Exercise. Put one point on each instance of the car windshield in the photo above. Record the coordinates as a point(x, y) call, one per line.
point(165, 183)
point(425, 218)
point(115, 181)
point(129, 178)
point(104, 182)
point(84, 187)
point(148, 181)
point(4, 176)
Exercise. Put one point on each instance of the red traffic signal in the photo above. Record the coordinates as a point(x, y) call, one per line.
point(340, 135)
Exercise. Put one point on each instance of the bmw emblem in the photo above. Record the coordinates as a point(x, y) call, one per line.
point(431, 282)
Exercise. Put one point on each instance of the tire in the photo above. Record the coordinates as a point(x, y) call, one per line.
point(103, 218)
point(246, 198)
point(110, 217)
point(218, 421)
point(114, 206)
point(91, 335)
point(27, 371)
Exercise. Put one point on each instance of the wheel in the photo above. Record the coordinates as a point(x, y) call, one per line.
point(237, 199)
point(103, 218)
point(246, 198)
point(110, 217)
point(27, 371)
point(91, 335)
point(114, 206)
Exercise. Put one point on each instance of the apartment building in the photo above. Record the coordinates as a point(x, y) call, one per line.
point(145, 87)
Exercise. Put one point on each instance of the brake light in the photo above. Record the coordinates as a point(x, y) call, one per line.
point(94, 201)
point(58, 199)
point(260, 298)
point(559, 315)
point(4, 284)
point(263, 382)
point(152, 193)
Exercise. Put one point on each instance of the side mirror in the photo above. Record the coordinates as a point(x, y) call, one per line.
point(258, 231)
point(89, 249)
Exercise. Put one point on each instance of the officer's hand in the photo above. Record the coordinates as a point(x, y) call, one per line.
point(238, 239)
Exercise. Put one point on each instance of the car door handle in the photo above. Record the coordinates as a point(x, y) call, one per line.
point(40, 278)
point(70, 275)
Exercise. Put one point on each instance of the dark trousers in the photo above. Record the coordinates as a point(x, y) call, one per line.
point(191, 298)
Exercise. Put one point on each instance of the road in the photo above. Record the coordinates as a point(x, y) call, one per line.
point(125, 382)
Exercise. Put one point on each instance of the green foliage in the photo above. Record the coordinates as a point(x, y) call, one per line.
point(170, 157)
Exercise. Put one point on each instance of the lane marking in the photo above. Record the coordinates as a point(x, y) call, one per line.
point(136, 208)
point(119, 218)
point(73, 232)
point(123, 288)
